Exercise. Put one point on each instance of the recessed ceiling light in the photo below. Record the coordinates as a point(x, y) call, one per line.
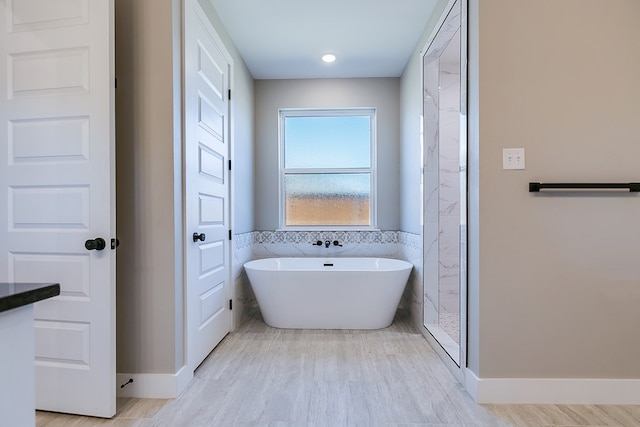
point(328, 58)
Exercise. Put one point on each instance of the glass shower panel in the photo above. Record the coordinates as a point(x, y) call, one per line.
point(444, 160)
point(449, 195)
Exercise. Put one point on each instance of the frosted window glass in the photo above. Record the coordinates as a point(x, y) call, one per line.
point(327, 142)
point(327, 199)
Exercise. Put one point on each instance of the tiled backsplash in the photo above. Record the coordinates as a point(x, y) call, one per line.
point(244, 240)
point(390, 244)
point(344, 237)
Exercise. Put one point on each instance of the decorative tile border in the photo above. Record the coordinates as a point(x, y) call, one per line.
point(245, 240)
point(344, 237)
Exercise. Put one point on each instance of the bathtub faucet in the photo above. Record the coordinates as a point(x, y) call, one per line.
point(326, 243)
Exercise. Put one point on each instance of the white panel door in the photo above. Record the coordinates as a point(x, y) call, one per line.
point(206, 152)
point(57, 190)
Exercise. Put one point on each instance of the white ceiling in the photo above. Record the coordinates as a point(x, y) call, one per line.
point(284, 39)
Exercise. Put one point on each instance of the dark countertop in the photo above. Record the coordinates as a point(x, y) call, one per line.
point(14, 295)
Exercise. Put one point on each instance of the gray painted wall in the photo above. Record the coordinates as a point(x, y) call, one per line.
point(149, 265)
point(150, 325)
point(381, 93)
point(556, 278)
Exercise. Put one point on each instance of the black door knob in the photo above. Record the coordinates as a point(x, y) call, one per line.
point(97, 244)
point(202, 237)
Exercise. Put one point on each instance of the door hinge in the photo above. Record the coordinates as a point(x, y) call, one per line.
point(229, 164)
point(229, 234)
point(115, 243)
point(116, 85)
point(230, 304)
point(229, 94)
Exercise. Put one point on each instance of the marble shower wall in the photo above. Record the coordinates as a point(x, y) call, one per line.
point(431, 83)
point(270, 244)
point(449, 189)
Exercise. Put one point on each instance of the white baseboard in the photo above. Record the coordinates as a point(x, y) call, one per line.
point(470, 384)
point(553, 390)
point(154, 386)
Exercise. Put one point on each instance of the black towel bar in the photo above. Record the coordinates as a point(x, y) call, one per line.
point(634, 187)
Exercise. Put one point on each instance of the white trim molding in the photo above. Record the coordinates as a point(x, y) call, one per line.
point(154, 386)
point(569, 391)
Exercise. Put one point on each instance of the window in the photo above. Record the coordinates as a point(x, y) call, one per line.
point(327, 174)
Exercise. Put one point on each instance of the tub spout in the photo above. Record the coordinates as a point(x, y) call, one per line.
point(327, 243)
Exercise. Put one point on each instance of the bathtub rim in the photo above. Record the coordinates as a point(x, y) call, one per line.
point(275, 264)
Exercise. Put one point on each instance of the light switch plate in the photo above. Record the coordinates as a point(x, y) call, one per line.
point(513, 158)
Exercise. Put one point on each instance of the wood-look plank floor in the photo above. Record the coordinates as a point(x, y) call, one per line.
point(260, 376)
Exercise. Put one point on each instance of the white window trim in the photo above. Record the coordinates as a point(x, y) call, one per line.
point(328, 112)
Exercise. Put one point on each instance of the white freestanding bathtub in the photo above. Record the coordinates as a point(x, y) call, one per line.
point(328, 293)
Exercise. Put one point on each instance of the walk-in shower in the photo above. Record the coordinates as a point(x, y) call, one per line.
point(445, 183)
